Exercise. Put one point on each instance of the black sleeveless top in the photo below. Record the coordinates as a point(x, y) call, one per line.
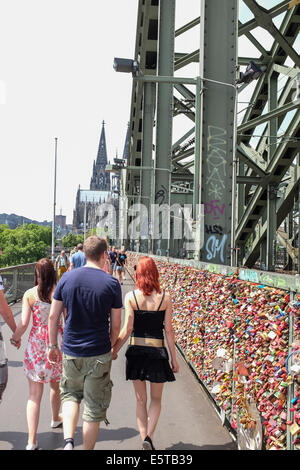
point(148, 362)
point(148, 323)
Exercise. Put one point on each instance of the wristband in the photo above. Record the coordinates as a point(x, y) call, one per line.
point(53, 346)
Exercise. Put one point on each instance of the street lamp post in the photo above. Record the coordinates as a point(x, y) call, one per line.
point(54, 206)
point(84, 220)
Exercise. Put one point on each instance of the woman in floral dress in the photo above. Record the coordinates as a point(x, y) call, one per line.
point(38, 370)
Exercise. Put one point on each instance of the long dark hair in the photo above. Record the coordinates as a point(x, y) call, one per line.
point(45, 279)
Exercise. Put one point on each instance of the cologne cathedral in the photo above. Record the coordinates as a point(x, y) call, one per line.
point(101, 191)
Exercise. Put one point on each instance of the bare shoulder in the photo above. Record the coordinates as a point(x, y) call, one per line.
point(30, 292)
point(168, 296)
point(30, 295)
point(129, 296)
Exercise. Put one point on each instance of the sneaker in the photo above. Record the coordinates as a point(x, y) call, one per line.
point(69, 444)
point(147, 444)
point(56, 424)
point(32, 447)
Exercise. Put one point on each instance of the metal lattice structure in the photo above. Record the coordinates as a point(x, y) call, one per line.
point(251, 211)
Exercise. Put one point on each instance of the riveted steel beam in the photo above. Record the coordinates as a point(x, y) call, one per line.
point(214, 163)
point(164, 119)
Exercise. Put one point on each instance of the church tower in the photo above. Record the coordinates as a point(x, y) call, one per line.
point(100, 180)
point(126, 146)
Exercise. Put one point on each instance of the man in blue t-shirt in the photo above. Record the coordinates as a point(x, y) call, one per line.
point(93, 302)
point(78, 259)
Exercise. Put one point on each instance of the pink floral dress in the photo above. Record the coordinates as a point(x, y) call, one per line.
point(36, 364)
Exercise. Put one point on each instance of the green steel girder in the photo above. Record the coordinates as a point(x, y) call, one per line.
point(276, 55)
point(283, 157)
point(146, 55)
point(176, 145)
point(246, 155)
point(181, 108)
point(255, 200)
point(263, 19)
point(284, 207)
point(183, 155)
point(272, 13)
point(256, 160)
point(187, 27)
point(187, 59)
point(285, 97)
point(281, 110)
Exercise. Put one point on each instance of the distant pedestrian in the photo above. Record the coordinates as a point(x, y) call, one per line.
point(113, 256)
point(78, 259)
point(7, 316)
point(61, 264)
point(148, 311)
point(107, 263)
point(117, 251)
point(38, 370)
point(72, 252)
point(121, 263)
point(93, 301)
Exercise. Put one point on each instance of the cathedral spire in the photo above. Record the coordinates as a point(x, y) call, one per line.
point(100, 180)
point(102, 152)
point(125, 151)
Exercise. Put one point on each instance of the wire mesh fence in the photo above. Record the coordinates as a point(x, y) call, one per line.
point(16, 280)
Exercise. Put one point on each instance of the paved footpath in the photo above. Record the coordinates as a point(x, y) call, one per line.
point(188, 420)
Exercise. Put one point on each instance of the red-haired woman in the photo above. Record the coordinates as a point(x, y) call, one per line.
point(148, 311)
point(37, 302)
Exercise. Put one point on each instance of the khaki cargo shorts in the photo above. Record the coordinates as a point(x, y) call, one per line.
point(88, 379)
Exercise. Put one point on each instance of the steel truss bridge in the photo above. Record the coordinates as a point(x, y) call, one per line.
point(238, 154)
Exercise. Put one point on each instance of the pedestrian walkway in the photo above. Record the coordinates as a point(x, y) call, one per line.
point(188, 420)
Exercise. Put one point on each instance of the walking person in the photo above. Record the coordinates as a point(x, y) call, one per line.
point(72, 252)
point(7, 316)
point(36, 303)
point(93, 302)
point(61, 264)
point(148, 311)
point(113, 256)
point(117, 252)
point(107, 263)
point(78, 259)
point(121, 262)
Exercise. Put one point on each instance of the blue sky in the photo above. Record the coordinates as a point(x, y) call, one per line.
point(56, 65)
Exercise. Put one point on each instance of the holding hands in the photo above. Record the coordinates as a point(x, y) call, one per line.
point(15, 341)
point(175, 366)
point(53, 354)
point(114, 354)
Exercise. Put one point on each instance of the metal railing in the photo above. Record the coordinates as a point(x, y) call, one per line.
point(16, 280)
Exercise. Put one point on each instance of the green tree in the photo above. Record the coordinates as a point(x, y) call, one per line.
point(25, 244)
point(71, 240)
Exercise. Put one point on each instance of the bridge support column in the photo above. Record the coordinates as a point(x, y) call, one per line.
point(218, 59)
point(263, 245)
point(272, 228)
point(272, 189)
point(147, 180)
point(164, 122)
